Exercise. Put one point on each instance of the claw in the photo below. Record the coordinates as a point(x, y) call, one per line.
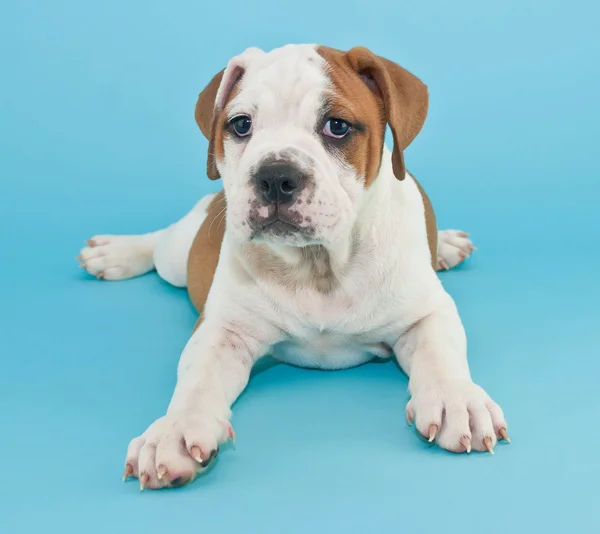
point(504, 434)
point(463, 234)
point(82, 266)
point(462, 255)
point(196, 454)
point(432, 432)
point(79, 258)
point(488, 445)
point(91, 243)
point(100, 276)
point(128, 472)
point(409, 418)
point(466, 442)
point(143, 481)
point(161, 471)
point(231, 432)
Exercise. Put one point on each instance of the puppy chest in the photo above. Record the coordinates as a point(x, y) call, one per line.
point(328, 350)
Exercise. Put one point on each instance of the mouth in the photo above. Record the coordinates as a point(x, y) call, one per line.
point(279, 229)
point(279, 226)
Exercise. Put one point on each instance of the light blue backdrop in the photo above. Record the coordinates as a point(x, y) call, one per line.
point(97, 136)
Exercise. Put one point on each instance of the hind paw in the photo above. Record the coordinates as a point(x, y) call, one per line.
point(454, 247)
point(117, 257)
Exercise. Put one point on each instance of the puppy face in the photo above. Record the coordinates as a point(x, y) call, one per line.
point(297, 136)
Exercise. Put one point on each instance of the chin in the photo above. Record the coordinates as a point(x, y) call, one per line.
point(283, 234)
point(279, 230)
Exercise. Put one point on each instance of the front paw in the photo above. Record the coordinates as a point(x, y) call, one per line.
point(458, 415)
point(175, 448)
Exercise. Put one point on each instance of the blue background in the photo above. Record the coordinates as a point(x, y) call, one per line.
point(97, 136)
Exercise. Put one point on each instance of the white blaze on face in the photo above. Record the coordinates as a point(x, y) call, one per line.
point(284, 93)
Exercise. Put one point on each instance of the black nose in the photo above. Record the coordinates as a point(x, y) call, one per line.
point(278, 182)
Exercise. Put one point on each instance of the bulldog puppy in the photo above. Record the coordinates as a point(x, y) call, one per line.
point(321, 250)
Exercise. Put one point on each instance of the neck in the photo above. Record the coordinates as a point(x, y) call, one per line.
point(316, 267)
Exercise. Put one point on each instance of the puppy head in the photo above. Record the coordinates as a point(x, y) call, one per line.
point(297, 136)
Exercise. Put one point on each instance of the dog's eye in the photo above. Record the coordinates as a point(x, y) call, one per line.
point(242, 125)
point(336, 128)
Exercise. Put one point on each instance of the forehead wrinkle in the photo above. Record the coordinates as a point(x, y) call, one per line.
point(310, 106)
point(289, 87)
point(335, 105)
point(238, 107)
point(351, 95)
point(283, 72)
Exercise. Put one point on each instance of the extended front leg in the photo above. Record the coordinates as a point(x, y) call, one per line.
point(213, 370)
point(446, 405)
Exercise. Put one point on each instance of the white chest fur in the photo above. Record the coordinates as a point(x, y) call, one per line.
point(326, 350)
point(388, 285)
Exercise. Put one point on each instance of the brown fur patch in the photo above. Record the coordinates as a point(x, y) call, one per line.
point(430, 224)
point(401, 95)
point(353, 101)
point(211, 121)
point(216, 150)
point(205, 105)
point(204, 253)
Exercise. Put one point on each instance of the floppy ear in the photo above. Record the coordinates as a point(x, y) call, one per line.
point(206, 105)
point(209, 106)
point(405, 99)
point(213, 100)
point(206, 116)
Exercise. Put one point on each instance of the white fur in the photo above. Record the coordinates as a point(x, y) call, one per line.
point(454, 247)
point(118, 257)
point(388, 297)
point(174, 245)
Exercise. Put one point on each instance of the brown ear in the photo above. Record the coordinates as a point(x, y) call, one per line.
point(211, 103)
point(405, 99)
point(206, 115)
point(206, 105)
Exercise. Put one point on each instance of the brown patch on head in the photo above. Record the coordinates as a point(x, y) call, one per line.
point(376, 91)
point(210, 115)
point(352, 100)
